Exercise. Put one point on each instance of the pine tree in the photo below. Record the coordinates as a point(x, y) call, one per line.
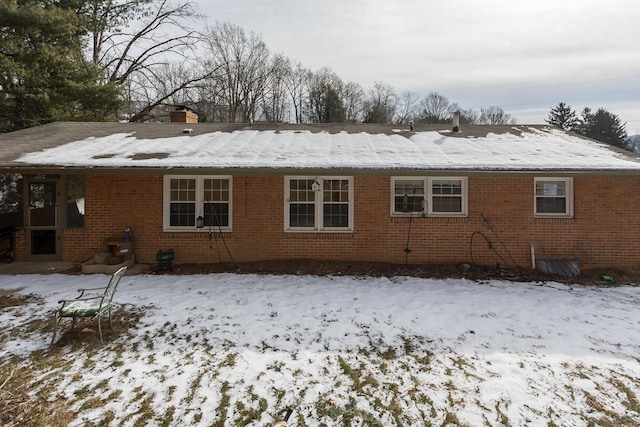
point(563, 117)
point(333, 111)
point(44, 75)
point(604, 126)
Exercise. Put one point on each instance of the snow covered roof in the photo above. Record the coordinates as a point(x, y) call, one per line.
point(294, 147)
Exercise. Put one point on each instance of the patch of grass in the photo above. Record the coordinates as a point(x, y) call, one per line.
point(358, 377)
point(421, 398)
point(21, 407)
point(452, 419)
point(82, 392)
point(502, 417)
point(350, 415)
point(167, 418)
point(92, 403)
point(223, 407)
point(607, 417)
point(354, 416)
point(171, 391)
point(247, 415)
point(328, 409)
point(193, 388)
point(114, 395)
point(631, 403)
point(144, 413)
point(14, 300)
point(229, 360)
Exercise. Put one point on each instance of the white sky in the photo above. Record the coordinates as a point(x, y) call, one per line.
point(523, 56)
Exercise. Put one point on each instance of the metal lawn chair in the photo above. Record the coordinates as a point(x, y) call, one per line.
point(94, 305)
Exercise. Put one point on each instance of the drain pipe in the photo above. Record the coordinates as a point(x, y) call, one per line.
point(533, 256)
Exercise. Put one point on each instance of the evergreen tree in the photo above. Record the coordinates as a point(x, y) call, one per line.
point(44, 76)
point(603, 126)
point(563, 117)
point(333, 111)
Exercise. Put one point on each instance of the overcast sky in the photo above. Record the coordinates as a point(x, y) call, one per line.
point(525, 56)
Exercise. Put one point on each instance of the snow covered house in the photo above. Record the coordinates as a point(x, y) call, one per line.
point(423, 195)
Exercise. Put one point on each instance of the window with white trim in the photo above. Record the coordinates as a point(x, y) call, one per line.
point(187, 197)
point(429, 196)
point(554, 197)
point(318, 204)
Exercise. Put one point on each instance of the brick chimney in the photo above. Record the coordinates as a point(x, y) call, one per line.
point(183, 114)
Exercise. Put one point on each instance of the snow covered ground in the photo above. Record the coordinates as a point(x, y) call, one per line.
point(227, 349)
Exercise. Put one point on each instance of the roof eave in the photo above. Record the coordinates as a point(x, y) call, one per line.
point(267, 171)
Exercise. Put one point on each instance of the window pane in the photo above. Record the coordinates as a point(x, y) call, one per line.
point(408, 195)
point(409, 187)
point(551, 188)
point(216, 214)
point(216, 190)
point(300, 190)
point(42, 204)
point(335, 215)
point(11, 200)
point(447, 204)
point(75, 201)
point(446, 187)
point(183, 190)
point(182, 215)
point(408, 204)
point(302, 215)
point(556, 205)
point(336, 190)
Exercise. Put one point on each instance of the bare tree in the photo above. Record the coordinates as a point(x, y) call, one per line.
point(493, 115)
point(435, 108)
point(154, 93)
point(239, 64)
point(154, 31)
point(467, 116)
point(380, 106)
point(275, 105)
point(353, 98)
point(209, 102)
point(407, 108)
point(135, 42)
point(297, 86)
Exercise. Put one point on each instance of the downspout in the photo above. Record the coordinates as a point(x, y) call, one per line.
point(533, 256)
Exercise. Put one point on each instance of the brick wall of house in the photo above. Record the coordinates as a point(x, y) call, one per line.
point(602, 233)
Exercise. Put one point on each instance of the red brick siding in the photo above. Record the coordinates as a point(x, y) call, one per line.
point(602, 233)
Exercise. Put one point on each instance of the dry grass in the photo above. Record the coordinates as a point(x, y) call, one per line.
point(30, 388)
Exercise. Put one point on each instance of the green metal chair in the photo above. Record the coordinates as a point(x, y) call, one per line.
point(96, 306)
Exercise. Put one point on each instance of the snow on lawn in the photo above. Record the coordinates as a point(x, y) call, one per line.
point(226, 349)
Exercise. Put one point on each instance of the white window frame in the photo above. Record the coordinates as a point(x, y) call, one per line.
point(318, 205)
point(427, 204)
point(568, 196)
point(199, 202)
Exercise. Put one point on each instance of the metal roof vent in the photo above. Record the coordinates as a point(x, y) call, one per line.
point(187, 131)
point(456, 121)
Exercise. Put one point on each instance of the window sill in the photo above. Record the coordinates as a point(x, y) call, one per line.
point(313, 231)
point(197, 230)
point(539, 216)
